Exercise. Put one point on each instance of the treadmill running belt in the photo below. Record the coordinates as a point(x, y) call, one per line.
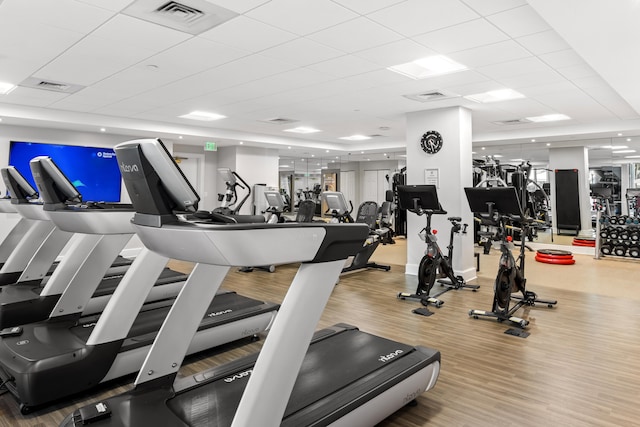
point(324, 371)
point(109, 284)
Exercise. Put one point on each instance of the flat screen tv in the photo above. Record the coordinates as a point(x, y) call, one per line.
point(92, 170)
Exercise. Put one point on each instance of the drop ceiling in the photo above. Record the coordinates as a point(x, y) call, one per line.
point(323, 64)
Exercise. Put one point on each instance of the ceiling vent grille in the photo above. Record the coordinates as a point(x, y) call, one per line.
point(513, 122)
point(431, 95)
point(38, 83)
point(279, 121)
point(190, 16)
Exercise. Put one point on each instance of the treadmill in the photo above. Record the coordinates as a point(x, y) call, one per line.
point(339, 376)
point(34, 295)
point(70, 352)
point(32, 258)
point(17, 232)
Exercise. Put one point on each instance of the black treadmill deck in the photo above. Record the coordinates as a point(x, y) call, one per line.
point(328, 386)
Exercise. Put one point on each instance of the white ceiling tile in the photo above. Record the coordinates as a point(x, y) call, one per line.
point(240, 6)
point(490, 54)
point(125, 30)
point(563, 58)
point(598, 89)
point(525, 80)
point(514, 68)
point(248, 34)
point(396, 53)
point(539, 88)
point(66, 14)
point(33, 97)
point(544, 42)
point(301, 16)
point(344, 66)
point(92, 60)
point(135, 80)
point(113, 5)
point(489, 7)
point(457, 37)
point(377, 78)
point(577, 71)
point(302, 52)
point(414, 17)
point(91, 98)
point(322, 90)
point(193, 56)
point(367, 6)
point(357, 34)
point(519, 22)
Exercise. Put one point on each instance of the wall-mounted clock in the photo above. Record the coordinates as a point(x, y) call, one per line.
point(431, 142)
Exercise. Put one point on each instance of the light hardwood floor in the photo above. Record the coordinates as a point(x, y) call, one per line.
point(580, 366)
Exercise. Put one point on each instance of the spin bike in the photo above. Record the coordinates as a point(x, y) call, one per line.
point(423, 200)
point(501, 205)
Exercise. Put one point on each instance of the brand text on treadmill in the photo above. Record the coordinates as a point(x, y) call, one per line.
point(390, 356)
point(129, 168)
point(238, 376)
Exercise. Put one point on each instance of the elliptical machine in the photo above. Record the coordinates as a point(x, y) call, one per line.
point(229, 199)
point(501, 205)
point(423, 200)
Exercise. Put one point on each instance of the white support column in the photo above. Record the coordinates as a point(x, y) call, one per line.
point(269, 388)
point(452, 168)
point(28, 247)
point(13, 238)
point(85, 282)
point(123, 307)
point(177, 331)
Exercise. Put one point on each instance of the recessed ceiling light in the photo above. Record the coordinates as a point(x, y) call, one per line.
point(337, 157)
point(515, 160)
point(355, 137)
point(628, 139)
point(313, 155)
point(632, 157)
point(428, 67)
point(6, 88)
point(473, 152)
point(548, 118)
point(548, 144)
point(326, 151)
point(103, 130)
point(289, 148)
point(495, 96)
point(362, 152)
point(302, 160)
point(484, 148)
point(619, 134)
point(497, 156)
point(615, 147)
point(241, 142)
point(285, 166)
point(302, 129)
point(179, 136)
point(623, 151)
point(203, 116)
point(533, 140)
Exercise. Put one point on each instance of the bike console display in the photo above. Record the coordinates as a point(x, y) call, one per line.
point(416, 198)
point(503, 200)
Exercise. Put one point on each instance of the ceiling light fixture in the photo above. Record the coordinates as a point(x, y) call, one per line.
point(495, 96)
point(548, 118)
point(623, 151)
point(203, 116)
point(548, 144)
point(428, 67)
point(6, 88)
point(355, 137)
point(628, 139)
point(615, 147)
point(533, 140)
point(103, 130)
point(179, 136)
point(302, 129)
point(632, 157)
point(497, 156)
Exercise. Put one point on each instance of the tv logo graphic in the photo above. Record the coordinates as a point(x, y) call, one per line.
point(105, 154)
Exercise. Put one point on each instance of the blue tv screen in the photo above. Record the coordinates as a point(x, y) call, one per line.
point(93, 171)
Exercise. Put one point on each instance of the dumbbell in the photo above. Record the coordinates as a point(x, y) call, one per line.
point(620, 249)
point(623, 234)
point(634, 234)
point(606, 248)
point(634, 251)
point(604, 232)
point(613, 220)
point(622, 220)
point(636, 220)
point(613, 232)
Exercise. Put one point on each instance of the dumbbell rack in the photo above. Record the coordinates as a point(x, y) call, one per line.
point(618, 235)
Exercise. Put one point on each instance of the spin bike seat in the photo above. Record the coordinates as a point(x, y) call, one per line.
point(454, 218)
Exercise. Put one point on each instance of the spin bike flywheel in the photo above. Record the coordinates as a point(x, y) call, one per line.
point(427, 275)
point(502, 292)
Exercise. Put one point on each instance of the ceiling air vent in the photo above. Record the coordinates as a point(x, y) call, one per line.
point(38, 83)
point(279, 121)
point(513, 122)
point(431, 95)
point(190, 16)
